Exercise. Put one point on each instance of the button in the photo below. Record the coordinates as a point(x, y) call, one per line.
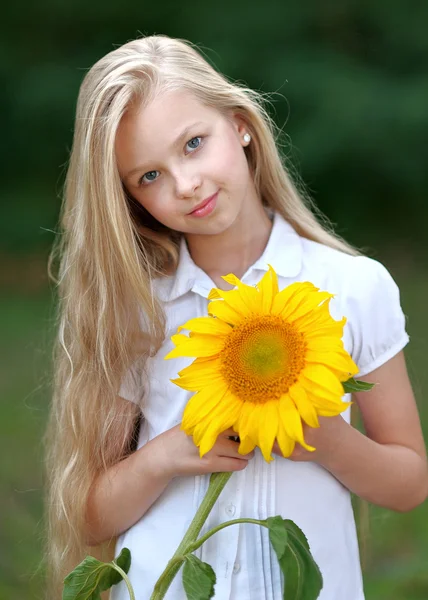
point(230, 510)
point(236, 568)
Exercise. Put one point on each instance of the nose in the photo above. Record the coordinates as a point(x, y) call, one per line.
point(186, 183)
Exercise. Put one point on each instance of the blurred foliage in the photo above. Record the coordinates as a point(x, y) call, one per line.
point(350, 83)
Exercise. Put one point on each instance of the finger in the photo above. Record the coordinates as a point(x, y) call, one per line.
point(229, 448)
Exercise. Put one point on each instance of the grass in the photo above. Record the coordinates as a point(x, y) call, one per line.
point(397, 558)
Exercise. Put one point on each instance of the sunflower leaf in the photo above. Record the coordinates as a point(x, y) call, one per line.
point(355, 385)
point(198, 579)
point(278, 535)
point(302, 577)
point(91, 577)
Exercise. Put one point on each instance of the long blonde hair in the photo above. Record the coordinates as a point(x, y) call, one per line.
point(106, 256)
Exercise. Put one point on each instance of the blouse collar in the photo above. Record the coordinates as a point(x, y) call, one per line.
point(283, 252)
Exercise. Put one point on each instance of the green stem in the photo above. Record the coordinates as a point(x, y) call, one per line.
point(217, 483)
point(126, 580)
point(198, 543)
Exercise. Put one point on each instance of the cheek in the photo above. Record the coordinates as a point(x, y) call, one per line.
point(228, 160)
point(153, 200)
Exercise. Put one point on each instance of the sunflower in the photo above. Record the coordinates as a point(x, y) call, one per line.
point(265, 361)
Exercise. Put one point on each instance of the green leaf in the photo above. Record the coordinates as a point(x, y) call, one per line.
point(278, 535)
point(91, 577)
point(198, 579)
point(355, 385)
point(112, 577)
point(302, 577)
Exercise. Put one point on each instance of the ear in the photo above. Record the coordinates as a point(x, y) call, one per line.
point(239, 124)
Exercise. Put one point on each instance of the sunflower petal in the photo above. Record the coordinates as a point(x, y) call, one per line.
point(323, 378)
point(247, 293)
point(207, 325)
point(291, 296)
point(221, 418)
point(324, 343)
point(327, 407)
point(249, 420)
point(268, 428)
point(192, 384)
point(285, 442)
point(246, 445)
point(292, 422)
point(214, 294)
point(178, 339)
point(307, 306)
point(268, 289)
point(198, 345)
point(340, 362)
point(319, 318)
point(222, 310)
point(306, 409)
point(201, 405)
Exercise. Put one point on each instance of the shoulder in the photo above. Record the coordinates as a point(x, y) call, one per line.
point(347, 275)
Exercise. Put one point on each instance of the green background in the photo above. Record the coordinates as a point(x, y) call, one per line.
point(350, 87)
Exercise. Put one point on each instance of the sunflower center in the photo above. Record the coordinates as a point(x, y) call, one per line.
point(262, 358)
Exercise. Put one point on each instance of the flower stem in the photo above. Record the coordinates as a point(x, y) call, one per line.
point(197, 543)
point(217, 483)
point(126, 580)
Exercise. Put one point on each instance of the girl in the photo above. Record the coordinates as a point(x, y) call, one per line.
point(175, 180)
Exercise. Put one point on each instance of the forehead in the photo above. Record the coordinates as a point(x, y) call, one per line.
point(143, 129)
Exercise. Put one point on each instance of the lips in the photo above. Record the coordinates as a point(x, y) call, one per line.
point(203, 203)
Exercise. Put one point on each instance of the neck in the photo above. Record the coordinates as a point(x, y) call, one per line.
point(235, 249)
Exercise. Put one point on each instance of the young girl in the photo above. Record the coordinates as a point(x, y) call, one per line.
point(175, 180)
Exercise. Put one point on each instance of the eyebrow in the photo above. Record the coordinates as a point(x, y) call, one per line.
point(183, 134)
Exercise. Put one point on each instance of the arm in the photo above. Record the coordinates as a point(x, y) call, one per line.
point(121, 495)
point(388, 465)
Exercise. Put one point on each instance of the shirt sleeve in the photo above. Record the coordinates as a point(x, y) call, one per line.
point(375, 317)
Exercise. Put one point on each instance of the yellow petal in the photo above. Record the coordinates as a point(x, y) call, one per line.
point(291, 422)
point(290, 297)
point(338, 361)
point(245, 294)
point(306, 409)
point(319, 318)
point(268, 428)
point(198, 345)
point(268, 289)
point(324, 343)
point(193, 384)
point(222, 310)
point(207, 325)
point(322, 377)
point(246, 445)
point(201, 405)
point(285, 443)
point(326, 407)
point(202, 367)
point(222, 418)
point(214, 294)
point(178, 339)
point(249, 420)
point(316, 330)
point(310, 304)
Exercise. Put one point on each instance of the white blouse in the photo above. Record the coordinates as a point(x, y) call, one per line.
point(241, 555)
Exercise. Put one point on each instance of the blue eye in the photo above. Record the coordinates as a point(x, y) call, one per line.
point(194, 143)
point(149, 177)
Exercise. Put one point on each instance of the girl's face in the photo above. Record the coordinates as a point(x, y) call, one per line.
point(185, 163)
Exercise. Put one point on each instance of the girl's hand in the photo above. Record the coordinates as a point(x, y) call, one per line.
point(325, 439)
point(177, 454)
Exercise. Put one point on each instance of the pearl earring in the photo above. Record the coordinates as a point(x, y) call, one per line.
point(247, 138)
